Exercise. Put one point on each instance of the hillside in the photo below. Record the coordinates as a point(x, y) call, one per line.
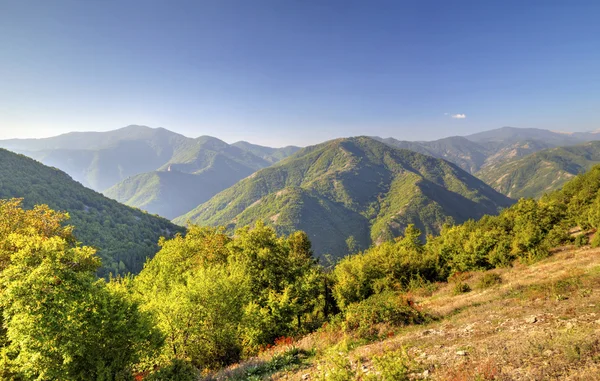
point(545, 316)
point(355, 189)
point(100, 160)
point(198, 169)
point(489, 148)
point(541, 172)
point(125, 236)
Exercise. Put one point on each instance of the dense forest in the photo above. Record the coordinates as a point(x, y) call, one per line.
point(354, 188)
point(125, 237)
point(209, 298)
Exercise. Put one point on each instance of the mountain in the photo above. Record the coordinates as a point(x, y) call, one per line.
point(154, 169)
point(541, 172)
point(507, 135)
point(466, 154)
point(198, 170)
point(101, 159)
point(272, 155)
point(475, 152)
point(356, 188)
point(126, 237)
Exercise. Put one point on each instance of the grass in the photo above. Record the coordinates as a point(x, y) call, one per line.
point(485, 334)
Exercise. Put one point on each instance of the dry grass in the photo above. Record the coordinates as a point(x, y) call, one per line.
point(542, 322)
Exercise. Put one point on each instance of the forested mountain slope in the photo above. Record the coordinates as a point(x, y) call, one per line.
point(352, 192)
point(100, 160)
point(475, 152)
point(541, 172)
point(199, 169)
point(125, 236)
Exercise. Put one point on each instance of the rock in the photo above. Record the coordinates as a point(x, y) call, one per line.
point(548, 353)
point(569, 325)
point(461, 353)
point(306, 376)
point(426, 373)
point(531, 319)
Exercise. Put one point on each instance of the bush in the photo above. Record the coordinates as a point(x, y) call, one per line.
point(391, 308)
point(581, 240)
point(489, 280)
point(461, 288)
point(178, 370)
point(393, 366)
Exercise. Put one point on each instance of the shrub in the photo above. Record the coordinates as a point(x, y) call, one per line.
point(581, 240)
point(391, 308)
point(489, 280)
point(461, 288)
point(177, 370)
point(393, 366)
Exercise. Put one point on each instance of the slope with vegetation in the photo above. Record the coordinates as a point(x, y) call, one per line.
point(352, 192)
point(197, 170)
point(408, 310)
point(541, 172)
point(208, 299)
point(126, 236)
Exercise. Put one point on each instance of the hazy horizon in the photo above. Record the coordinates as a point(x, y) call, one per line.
point(282, 73)
point(284, 145)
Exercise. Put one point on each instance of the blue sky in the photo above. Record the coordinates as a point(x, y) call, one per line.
point(280, 72)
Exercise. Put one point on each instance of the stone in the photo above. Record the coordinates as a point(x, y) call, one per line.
point(569, 325)
point(461, 353)
point(306, 376)
point(531, 319)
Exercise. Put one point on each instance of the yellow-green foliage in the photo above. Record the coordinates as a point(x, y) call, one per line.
point(216, 298)
point(60, 322)
point(389, 266)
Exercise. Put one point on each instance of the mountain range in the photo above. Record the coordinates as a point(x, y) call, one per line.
point(153, 169)
point(541, 172)
point(477, 151)
point(347, 194)
point(356, 190)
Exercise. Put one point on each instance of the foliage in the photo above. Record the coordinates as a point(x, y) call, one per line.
point(393, 365)
point(177, 370)
point(125, 237)
point(216, 297)
point(461, 288)
point(50, 296)
point(391, 308)
point(389, 266)
point(489, 280)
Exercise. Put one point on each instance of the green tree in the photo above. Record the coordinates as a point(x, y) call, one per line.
point(61, 322)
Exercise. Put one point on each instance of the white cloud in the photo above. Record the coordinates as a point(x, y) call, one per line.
point(458, 116)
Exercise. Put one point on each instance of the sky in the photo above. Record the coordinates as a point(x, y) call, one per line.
point(278, 72)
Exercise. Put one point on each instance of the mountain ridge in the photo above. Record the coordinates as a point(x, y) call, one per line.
point(376, 188)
